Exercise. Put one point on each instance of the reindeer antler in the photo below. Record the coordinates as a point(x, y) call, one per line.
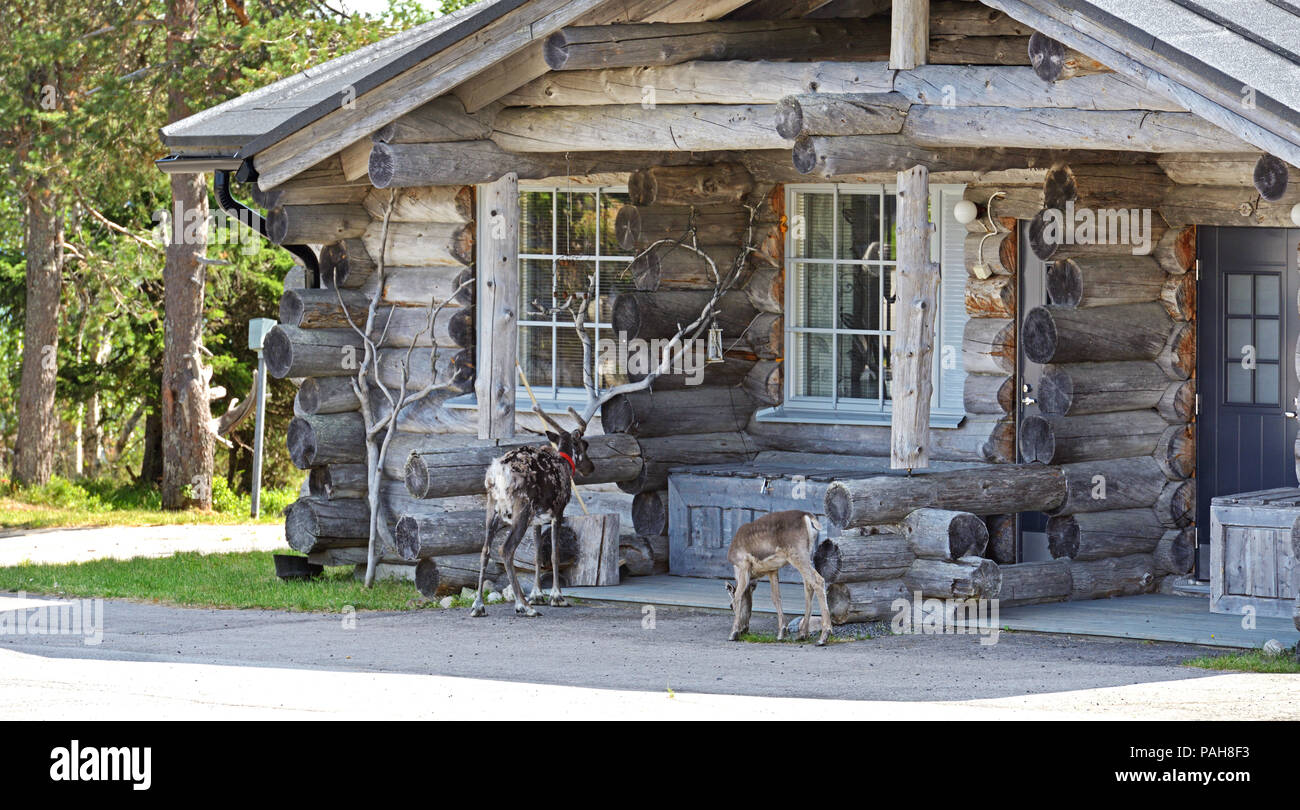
point(582, 423)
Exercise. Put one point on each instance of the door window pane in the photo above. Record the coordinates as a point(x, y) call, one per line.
point(1239, 383)
point(1266, 377)
point(1266, 339)
point(1239, 294)
point(1266, 295)
point(1239, 337)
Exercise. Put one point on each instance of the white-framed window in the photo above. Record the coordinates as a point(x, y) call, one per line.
point(566, 234)
point(840, 309)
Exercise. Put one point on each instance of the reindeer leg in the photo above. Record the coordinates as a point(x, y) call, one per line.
point(810, 575)
point(478, 608)
point(807, 610)
point(739, 597)
point(557, 598)
point(535, 596)
point(522, 519)
point(776, 600)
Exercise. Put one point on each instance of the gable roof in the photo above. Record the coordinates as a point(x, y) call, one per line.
point(1233, 62)
point(246, 124)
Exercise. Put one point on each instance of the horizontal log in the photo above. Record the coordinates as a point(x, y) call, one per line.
point(1178, 403)
point(1075, 389)
point(853, 558)
point(292, 352)
point(638, 226)
point(942, 534)
point(1200, 169)
point(419, 537)
point(1097, 535)
point(691, 410)
point(337, 438)
point(989, 346)
point(1104, 280)
point(992, 297)
point(335, 481)
point(460, 470)
point(1176, 551)
point(316, 224)
point(1115, 576)
point(1089, 437)
point(449, 204)
point(728, 373)
point(882, 500)
point(1035, 583)
point(848, 114)
point(691, 127)
point(1104, 186)
point(321, 395)
point(636, 44)
point(1099, 486)
point(719, 184)
point(1053, 334)
point(660, 454)
point(1010, 202)
point(672, 266)
point(315, 524)
point(867, 601)
point(991, 393)
point(966, 578)
point(998, 253)
point(345, 264)
point(453, 326)
point(418, 244)
point(1176, 452)
point(765, 382)
point(440, 120)
point(1226, 206)
point(428, 415)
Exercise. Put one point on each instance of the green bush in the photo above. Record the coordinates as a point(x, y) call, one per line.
point(60, 493)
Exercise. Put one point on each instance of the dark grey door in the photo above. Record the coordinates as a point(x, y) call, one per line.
point(1247, 331)
point(1031, 527)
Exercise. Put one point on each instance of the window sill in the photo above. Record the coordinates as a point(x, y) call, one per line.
point(557, 405)
point(945, 420)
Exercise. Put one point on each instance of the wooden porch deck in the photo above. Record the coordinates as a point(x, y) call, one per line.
point(1157, 617)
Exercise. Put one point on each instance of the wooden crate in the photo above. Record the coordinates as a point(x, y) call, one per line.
point(1252, 561)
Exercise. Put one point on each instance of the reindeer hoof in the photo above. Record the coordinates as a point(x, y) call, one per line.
point(735, 636)
point(525, 610)
point(821, 641)
point(558, 601)
point(478, 609)
point(536, 599)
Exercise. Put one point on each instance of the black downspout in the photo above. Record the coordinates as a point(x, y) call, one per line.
point(246, 215)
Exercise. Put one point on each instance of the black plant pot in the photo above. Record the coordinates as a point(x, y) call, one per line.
point(292, 566)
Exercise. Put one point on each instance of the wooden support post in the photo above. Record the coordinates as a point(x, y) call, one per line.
point(498, 296)
point(909, 38)
point(912, 352)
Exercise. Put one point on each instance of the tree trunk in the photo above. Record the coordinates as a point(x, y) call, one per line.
point(37, 419)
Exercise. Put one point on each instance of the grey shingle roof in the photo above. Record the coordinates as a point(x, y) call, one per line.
point(245, 124)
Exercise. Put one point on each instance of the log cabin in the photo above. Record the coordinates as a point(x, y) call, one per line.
point(1032, 261)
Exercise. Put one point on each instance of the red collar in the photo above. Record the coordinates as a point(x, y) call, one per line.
point(573, 468)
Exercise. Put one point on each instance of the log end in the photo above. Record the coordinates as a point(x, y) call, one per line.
point(789, 118)
point(301, 440)
point(277, 225)
point(647, 271)
point(406, 537)
point(1271, 178)
point(1037, 440)
point(300, 526)
point(1063, 536)
point(291, 308)
point(625, 315)
point(1064, 284)
point(839, 505)
point(968, 536)
point(416, 475)
point(804, 155)
point(618, 416)
point(827, 561)
point(555, 51)
point(1047, 56)
point(427, 578)
point(1055, 392)
point(642, 188)
point(381, 166)
point(627, 227)
point(1039, 335)
point(277, 348)
point(1040, 241)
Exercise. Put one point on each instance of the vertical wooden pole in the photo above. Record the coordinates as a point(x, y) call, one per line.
point(912, 352)
point(909, 39)
point(497, 305)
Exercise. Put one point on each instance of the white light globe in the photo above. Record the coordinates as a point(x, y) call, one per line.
point(965, 212)
point(1295, 214)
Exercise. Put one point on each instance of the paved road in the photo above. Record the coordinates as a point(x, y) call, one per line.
point(600, 661)
point(124, 542)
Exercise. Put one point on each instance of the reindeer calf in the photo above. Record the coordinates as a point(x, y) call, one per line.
point(761, 547)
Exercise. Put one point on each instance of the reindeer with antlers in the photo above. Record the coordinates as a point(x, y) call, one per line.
point(532, 485)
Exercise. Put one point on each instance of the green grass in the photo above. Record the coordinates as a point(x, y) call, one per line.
point(64, 503)
point(238, 580)
point(770, 638)
point(1249, 661)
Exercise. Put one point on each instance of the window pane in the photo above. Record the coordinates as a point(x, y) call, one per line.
point(534, 289)
point(1266, 338)
point(535, 354)
point(1266, 384)
point(859, 226)
point(614, 279)
point(1239, 383)
point(569, 356)
point(890, 276)
point(1239, 294)
point(572, 277)
point(607, 362)
point(813, 356)
point(813, 293)
point(859, 299)
point(575, 223)
point(535, 222)
point(859, 366)
point(889, 250)
point(1266, 295)
point(610, 202)
point(812, 225)
point(1239, 337)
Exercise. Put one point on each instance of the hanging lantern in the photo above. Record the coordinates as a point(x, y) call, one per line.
point(714, 353)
